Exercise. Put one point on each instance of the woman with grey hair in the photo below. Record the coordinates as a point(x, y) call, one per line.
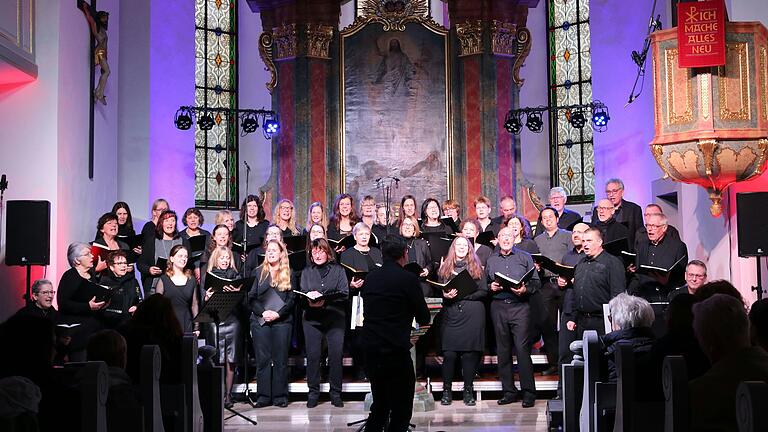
point(631, 320)
point(75, 306)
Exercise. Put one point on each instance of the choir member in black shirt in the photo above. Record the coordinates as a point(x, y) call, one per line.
point(343, 219)
point(658, 250)
point(470, 228)
point(610, 228)
point(125, 222)
point(463, 320)
point(159, 245)
point(316, 216)
point(284, 216)
point(224, 217)
point(179, 285)
point(430, 218)
point(627, 213)
point(566, 219)
point(324, 319)
point(252, 226)
point(271, 300)
point(598, 278)
point(407, 208)
point(158, 207)
point(522, 241)
point(127, 292)
point(452, 209)
point(508, 209)
point(255, 255)
point(368, 212)
point(106, 236)
point(74, 307)
point(42, 302)
point(418, 251)
point(573, 257)
point(510, 314)
point(642, 233)
point(483, 212)
point(384, 222)
point(392, 302)
point(193, 221)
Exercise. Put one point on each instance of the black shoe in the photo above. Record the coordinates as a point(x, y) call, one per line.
point(508, 399)
point(447, 398)
point(337, 402)
point(550, 371)
point(469, 396)
point(529, 401)
point(281, 403)
point(228, 402)
point(312, 401)
point(262, 404)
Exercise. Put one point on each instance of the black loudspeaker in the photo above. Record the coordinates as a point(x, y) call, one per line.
point(28, 233)
point(752, 230)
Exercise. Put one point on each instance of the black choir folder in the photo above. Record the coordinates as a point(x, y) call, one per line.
point(486, 238)
point(509, 283)
point(197, 245)
point(662, 275)
point(89, 290)
point(218, 283)
point(345, 242)
point(354, 273)
point(620, 249)
point(243, 248)
point(450, 223)
point(462, 283)
point(295, 243)
point(414, 268)
point(562, 270)
point(438, 243)
point(329, 296)
point(133, 241)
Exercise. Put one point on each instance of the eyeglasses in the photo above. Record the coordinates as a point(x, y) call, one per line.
point(695, 276)
point(605, 208)
point(612, 191)
point(47, 292)
point(120, 263)
point(649, 226)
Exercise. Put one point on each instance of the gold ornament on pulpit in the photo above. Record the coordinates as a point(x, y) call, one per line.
point(711, 123)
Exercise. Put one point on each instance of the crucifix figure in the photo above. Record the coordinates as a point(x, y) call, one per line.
point(98, 21)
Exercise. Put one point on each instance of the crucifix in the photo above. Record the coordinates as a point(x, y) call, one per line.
point(98, 21)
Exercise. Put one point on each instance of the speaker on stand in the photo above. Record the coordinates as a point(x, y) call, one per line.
point(28, 236)
point(752, 231)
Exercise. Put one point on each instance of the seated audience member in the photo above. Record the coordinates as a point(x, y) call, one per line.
point(721, 326)
point(719, 286)
point(42, 301)
point(679, 340)
point(123, 400)
point(758, 323)
point(154, 323)
point(631, 319)
point(695, 277)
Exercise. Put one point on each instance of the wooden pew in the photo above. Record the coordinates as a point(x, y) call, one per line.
point(195, 420)
point(633, 415)
point(572, 377)
point(211, 390)
point(91, 379)
point(676, 401)
point(151, 365)
point(751, 403)
point(591, 349)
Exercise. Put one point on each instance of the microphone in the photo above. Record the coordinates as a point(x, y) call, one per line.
point(246, 165)
point(397, 180)
point(3, 183)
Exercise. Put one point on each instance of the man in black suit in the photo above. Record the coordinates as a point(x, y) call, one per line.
point(609, 227)
point(653, 210)
point(627, 212)
point(662, 251)
point(392, 298)
point(566, 219)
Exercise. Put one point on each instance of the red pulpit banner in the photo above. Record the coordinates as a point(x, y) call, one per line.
point(701, 34)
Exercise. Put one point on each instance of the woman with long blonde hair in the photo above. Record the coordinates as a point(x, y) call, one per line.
point(284, 216)
point(271, 300)
point(463, 325)
point(316, 216)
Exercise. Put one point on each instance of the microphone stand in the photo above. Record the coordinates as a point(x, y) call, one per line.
point(247, 177)
point(385, 184)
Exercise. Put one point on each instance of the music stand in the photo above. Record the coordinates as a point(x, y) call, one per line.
point(217, 309)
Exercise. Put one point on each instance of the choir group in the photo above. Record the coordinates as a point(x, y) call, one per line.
point(301, 283)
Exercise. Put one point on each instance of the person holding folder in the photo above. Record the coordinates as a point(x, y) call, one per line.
point(324, 318)
point(463, 324)
point(510, 314)
point(271, 300)
point(156, 246)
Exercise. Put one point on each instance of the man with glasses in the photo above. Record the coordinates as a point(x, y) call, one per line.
point(566, 219)
point(573, 257)
point(695, 277)
point(606, 222)
point(651, 210)
point(626, 212)
point(657, 250)
point(42, 301)
point(508, 209)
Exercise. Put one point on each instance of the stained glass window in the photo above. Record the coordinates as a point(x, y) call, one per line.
point(570, 82)
point(216, 87)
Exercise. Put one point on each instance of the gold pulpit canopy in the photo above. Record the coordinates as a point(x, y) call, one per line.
point(711, 124)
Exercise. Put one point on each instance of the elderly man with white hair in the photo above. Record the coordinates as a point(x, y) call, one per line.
point(662, 251)
point(631, 320)
point(566, 219)
point(721, 326)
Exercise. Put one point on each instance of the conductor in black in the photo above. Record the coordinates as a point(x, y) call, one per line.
point(392, 297)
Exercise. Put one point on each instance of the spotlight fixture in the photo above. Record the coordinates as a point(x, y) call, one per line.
point(578, 120)
point(534, 122)
point(271, 126)
point(512, 123)
point(249, 123)
point(183, 119)
point(600, 117)
point(205, 122)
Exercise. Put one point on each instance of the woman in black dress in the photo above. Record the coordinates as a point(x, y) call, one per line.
point(418, 251)
point(343, 218)
point(193, 221)
point(272, 299)
point(180, 286)
point(75, 306)
point(125, 223)
point(252, 226)
point(463, 324)
point(159, 245)
point(430, 218)
point(127, 292)
point(107, 240)
point(324, 319)
point(284, 216)
point(222, 264)
point(470, 228)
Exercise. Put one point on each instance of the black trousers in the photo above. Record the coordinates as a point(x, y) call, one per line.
point(510, 324)
point(313, 336)
point(271, 344)
point(544, 309)
point(589, 322)
point(469, 362)
point(392, 384)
